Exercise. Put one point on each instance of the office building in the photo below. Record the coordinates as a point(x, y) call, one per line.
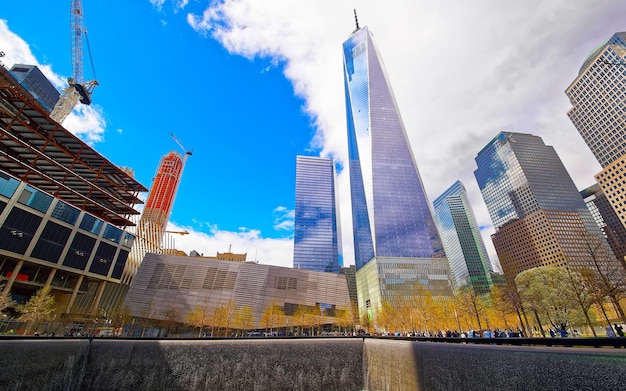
point(598, 98)
point(539, 216)
point(31, 78)
point(316, 238)
point(398, 252)
point(63, 209)
point(607, 220)
point(177, 285)
point(462, 240)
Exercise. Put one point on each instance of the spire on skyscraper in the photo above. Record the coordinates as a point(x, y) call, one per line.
point(356, 20)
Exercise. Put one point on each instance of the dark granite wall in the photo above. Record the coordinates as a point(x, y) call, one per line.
point(302, 364)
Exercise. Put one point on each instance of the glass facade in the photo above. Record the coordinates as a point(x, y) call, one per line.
point(316, 240)
point(462, 240)
point(531, 198)
point(390, 211)
point(31, 78)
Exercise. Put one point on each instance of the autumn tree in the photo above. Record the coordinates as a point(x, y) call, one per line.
point(302, 317)
point(224, 316)
point(170, 317)
point(6, 301)
point(198, 317)
point(344, 318)
point(507, 300)
point(244, 319)
point(273, 316)
point(39, 308)
point(472, 303)
point(608, 280)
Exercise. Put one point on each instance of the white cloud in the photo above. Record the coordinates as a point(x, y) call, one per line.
point(283, 219)
point(461, 73)
point(278, 252)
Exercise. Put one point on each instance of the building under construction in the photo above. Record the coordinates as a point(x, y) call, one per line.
point(64, 209)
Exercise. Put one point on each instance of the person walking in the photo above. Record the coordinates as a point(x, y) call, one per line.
point(619, 329)
point(609, 331)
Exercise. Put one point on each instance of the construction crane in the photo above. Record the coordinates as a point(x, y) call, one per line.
point(78, 89)
point(181, 233)
point(187, 152)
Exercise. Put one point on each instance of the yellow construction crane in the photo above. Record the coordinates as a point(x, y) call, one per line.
point(178, 232)
point(78, 89)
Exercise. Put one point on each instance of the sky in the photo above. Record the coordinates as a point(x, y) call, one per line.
point(248, 85)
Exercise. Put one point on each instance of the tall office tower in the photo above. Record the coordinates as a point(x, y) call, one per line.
point(316, 240)
point(162, 193)
point(539, 215)
point(462, 241)
point(607, 220)
point(598, 100)
point(398, 252)
point(37, 84)
point(599, 114)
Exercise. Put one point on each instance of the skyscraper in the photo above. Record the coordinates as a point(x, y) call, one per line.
point(539, 215)
point(599, 102)
point(316, 239)
point(398, 252)
point(158, 208)
point(37, 84)
point(462, 241)
point(599, 114)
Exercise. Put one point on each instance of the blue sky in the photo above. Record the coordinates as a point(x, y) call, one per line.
point(249, 84)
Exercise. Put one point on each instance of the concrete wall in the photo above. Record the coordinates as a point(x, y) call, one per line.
point(302, 364)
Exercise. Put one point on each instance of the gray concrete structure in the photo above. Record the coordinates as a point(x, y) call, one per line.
point(178, 284)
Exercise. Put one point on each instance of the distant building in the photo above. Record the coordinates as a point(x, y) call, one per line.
point(539, 216)
point(166, 282)
point(462, 240)
point(316, 235)
point(64, 210)
point(607, 220)
point(31, 78)
point(227, 256)
point(160, 201)
point(398, 251)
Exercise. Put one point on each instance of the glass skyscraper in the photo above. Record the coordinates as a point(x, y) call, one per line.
point(462, 241)
point(396, 244)
point(539, 216)
point(316, 237)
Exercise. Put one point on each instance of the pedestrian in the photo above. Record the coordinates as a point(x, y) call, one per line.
point(609, 331)
point(551, 333)
point(619, 329)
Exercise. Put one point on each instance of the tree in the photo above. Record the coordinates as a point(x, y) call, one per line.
point(608, 280)
point(224, 316)
point(472, 303)
point(548, 292)
point(244, 319)
point(273, 316)
point(301, 317)
point(39, 308)
point(583, 296)
point(344, 319)
point(6, 301)
point(170, 317)
point(121, 316)
point(198, 317)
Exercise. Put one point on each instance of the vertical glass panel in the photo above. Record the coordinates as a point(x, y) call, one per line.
point(112, 233)
point(35, 199)
point(65, 212)
point(8, 185)
point(91, 224)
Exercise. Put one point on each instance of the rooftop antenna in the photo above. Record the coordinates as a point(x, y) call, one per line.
point(356, 19)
